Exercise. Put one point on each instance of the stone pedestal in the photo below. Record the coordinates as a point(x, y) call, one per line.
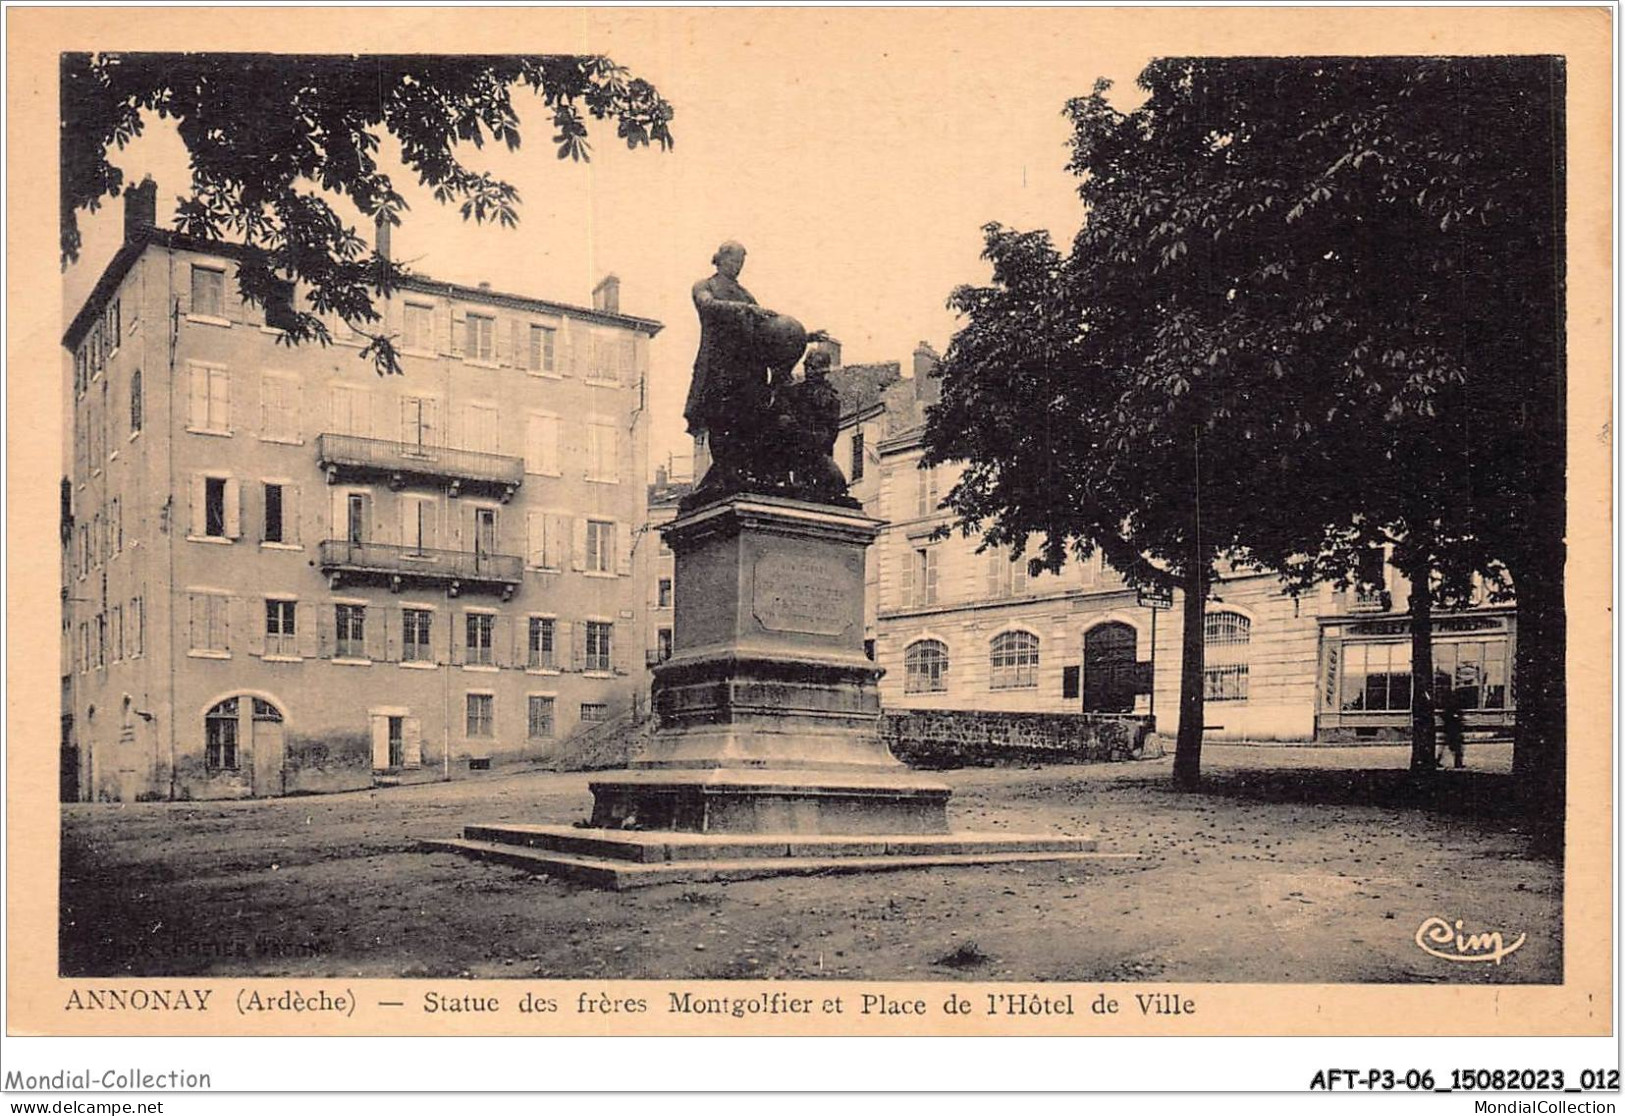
point(767, 758)
point(768, 711)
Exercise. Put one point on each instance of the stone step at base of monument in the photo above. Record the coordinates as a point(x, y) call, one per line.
point(617, 860)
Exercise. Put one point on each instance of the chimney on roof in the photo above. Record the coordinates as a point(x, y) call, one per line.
point(661, 477)
point(485, 284)
point(380, 236)
point(140, 207)
point(927, 388)
point(830, 345)
point(606, 296)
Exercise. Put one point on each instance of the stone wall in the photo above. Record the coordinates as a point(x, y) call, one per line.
point(939, 738)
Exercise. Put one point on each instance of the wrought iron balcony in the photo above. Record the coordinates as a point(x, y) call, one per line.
point(351, 454)
point(1370, 598)
point(342, 560)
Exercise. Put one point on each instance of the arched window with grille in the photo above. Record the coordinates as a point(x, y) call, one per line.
point(1014, 661)
point(220, 736)
point(925, 667)
point(1227, 636)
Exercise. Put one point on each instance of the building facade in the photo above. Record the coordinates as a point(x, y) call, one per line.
point(283, 572)
point(959, 628)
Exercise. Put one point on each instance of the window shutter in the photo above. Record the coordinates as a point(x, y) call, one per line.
point(234, 509)
point(373, 633)
point(235, 624)
point(199, 504)
point(459, 328)
point(620, 648)
point(240, 402)
point(623, 550)
point(502, 340)
point(389, 619)
point(441, 317)
point(520, 651)
point(198, 416)
point(502, 641)
point(578, 646)
point(578, 545)
point(194, 607)
point(457, 637)
point(326, 622)
point(558, 532)
point(305, 625)
point(290, 514)
point(255, 628)
point(536, 539)
point(518, 347)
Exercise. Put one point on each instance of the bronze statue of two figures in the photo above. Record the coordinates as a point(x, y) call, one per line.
point(768, 433)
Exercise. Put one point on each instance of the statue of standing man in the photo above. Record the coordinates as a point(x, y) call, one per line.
point(746, 352)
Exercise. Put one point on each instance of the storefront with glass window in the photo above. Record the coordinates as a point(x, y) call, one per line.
point(1366, 678)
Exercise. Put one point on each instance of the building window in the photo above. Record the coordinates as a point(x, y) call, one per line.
point(117, 635)
point(220, 737)
point(279, 306)
point(1224, 674)
point(599, 639)
point(857, 455)
point(351, 625)
point(135, 402)
point(274, 531)
point(663, 593)
point(208, 292)
point(663, 644)
point(539, 354)
point(1005, 576)
point(417, 328)
point(1377, 676)
point(279, 408)
point(115, 524)
point(210, 400)
point(1474, 673)
point(1014, 661)
point(481, 716)
point(480, 626)
point(138, 627)
point(482, 428)
point(279, 639)
point(925, 667)
point(114, 329)
point(541, 644)
point(600, 546)
point(539, 722)
point(482, 338)
point(416, 624)
point(209, 619)
point(419, 425)
point(101, 639)
point(924, 576)
point(352, 411)
point(594, 711)
point(925, 491)
point(602, 452)
point(542, 445)
point(214, 507)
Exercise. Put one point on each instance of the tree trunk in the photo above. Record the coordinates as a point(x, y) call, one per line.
point(1422, 696)
point(1188, 745)
point(1540, 749)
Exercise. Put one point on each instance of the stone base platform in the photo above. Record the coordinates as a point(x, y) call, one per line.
point(618, 859)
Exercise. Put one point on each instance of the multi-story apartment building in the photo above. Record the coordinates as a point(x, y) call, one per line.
point(959, 629)
point(664, 495)
point(284, 572)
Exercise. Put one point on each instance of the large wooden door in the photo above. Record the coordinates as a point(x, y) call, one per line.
point(1110, 676)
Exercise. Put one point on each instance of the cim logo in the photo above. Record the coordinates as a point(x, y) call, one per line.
point(1443, 939)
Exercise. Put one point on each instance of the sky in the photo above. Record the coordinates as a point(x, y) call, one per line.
point(855, 152)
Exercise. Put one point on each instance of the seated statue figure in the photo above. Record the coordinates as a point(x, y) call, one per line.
point(809, 417)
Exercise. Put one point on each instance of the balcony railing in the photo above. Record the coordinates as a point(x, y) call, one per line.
point(1369, 598)
point(456, 569)
point(338, 453)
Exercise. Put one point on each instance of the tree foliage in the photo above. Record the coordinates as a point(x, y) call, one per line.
point(1314, 306)
point(275, 139)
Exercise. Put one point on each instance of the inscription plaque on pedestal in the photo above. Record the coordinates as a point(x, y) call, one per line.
point(796, 593)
